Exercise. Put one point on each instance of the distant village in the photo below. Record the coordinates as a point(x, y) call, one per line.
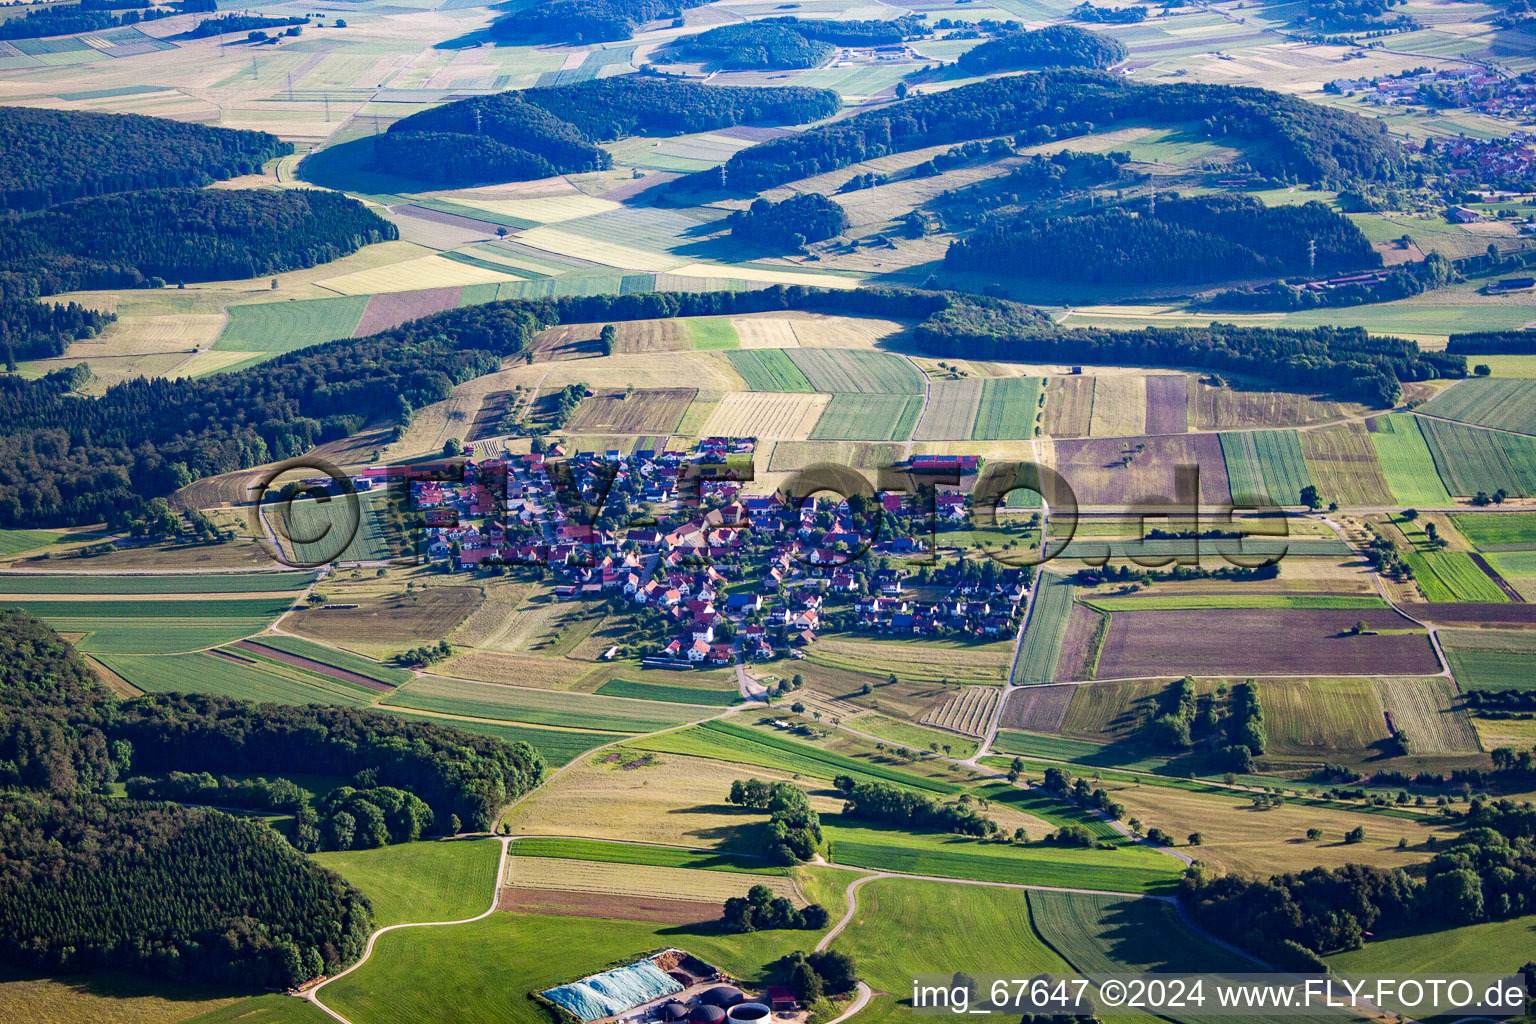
point(714, 575)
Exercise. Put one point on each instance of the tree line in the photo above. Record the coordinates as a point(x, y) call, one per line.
point(1166, 239)
point(52, 156)
point(1492, 343)
point(1434, 271)
point(1055, 46)
point(793, 831)
point(586, 21)
point(177, 235)
point(540, 132)
point(790, 224)
point(892, 805)
point(1302, 140)
point(86, 16)
point(1488, 873)
point(1109, 15)
point(1342, 360)
point(42, 330)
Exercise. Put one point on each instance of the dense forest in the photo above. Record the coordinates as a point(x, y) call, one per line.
point(1346, 361)
point(586, 21)
point(1488, 873)
point(228, 23)
point(1434, 271)
point(129, 239)
point(862, 32)
point(750, 46)
point(1109, 15)
point(790, 224)
point(606, 109)
point(535, 133)
point(41, 330)
point(86, 16)
point(1302, 140)
point(50, 156)
point(1056, 46)
point(1493, 343)
point(1172, 240)
point(1334, 16)
point(175, 892)
point(1037, 178)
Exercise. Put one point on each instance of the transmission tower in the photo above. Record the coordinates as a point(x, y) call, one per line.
point(1311, 255)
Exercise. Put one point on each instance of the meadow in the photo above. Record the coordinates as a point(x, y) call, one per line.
point(1491, 946)
point(638, 880)
point(644, 854)
point(922, 661)
point(157, 627)
point(542, 707)
point(16, 542)
point(730, 742)
point(712, 333)
point(720, 697)
point(444, 880)
point(271, 328)
point(1121, 869)
point(558, 747)
point(344, 660)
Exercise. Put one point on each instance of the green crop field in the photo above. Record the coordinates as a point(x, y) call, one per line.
point(227, 677)
point(768, 369)
point(1077, 751)
point(557, 746)
point(337, 659)
point(712, 333)
point(868, 417)
point(1342, 463)
point(862, 371)
point(1490, 659)
point(951, 410)
point(1505, 404)
point(1513, 564)
point(728, 742)
point(1122, 869)
point(425, 881)
point(274, 327)
point(644, 853)
point(1452, 576)
point(222, 583)
point(15, 542)
point(1472, 460)
point(1493, 530)
point(1009, 406)
point(541, 707)
point(1473, 947)
point(1117, 934)
point(1045, 630)
point(1406, 461)
point(670, 694)
point(894, 937)
point(1265, 466)
point(311, 524)
point(156, 627)
point(1172, 602)
point(273, 1008)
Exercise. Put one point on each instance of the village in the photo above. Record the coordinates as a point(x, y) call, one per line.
point(715, 575)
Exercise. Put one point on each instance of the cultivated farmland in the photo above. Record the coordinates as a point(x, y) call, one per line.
point(1504, 404)
point(229, 674)
point(713, 695)
point(417, 616)
point(556, 746)
point(542, 707)
point(768, 369)
point(1036, 708)
point(1265, 467)
point(868, 417)
point(856, 370)
point(1299, 641)
point(1406, 463)
point(712, 333)
point(646, 411)
point(1167, 404)
point(1223, 408)
point(1452, 576)
point(1472, 460)
point(1120, 472)
point(1491, 659)
point(638, 879)
point(391, 309)
point(951, 410)
point(156, 627)
point(1316, 717)
point(273, 327)
point(1493, 530)
point(1009, 407)
point(1119, 405)
point(1114, 935)
point(123, 585)
point(1068, 406)
point(766, 415)
point(969, 712)
point(1424, 715)
point(919, 661)
point(1342, 463)
point(1041, 645)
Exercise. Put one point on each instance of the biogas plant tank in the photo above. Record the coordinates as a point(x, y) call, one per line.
point(747, 1013)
